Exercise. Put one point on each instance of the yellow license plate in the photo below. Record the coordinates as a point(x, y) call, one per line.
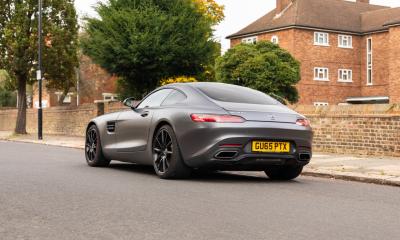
point(270, 147)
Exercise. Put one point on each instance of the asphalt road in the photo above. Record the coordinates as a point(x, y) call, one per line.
point(49, 193)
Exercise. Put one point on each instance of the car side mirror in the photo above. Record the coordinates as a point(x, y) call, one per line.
point(130, 102)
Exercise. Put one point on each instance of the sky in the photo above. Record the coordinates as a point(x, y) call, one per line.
point(238, 13)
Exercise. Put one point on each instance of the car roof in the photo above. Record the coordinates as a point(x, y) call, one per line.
point(198, 84)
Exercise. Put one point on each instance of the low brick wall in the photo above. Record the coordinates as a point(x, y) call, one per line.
point(58, 120)
point(353, 129)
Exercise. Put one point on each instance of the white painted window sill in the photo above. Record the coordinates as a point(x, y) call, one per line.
point(321, 80)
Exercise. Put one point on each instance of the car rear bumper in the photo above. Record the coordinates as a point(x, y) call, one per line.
point(205, 146)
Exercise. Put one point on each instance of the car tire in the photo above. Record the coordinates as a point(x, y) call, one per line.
point(167, 159)
point(93, 150)
point(284, 172)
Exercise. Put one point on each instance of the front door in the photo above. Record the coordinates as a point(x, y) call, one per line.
point(133, 127)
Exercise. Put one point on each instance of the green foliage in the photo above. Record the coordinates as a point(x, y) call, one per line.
point(18, 45)
point(7, 90)
point(263, 66)
point(6, 82)
point(144, 41)
point(7, 98)
point(18, 40)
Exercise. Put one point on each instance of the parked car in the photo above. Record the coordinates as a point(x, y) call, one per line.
point(182, 127)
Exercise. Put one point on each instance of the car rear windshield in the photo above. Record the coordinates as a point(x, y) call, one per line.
point(236, 94)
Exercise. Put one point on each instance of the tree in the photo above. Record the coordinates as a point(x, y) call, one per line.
point(263, 66)
point(211, 9)
point(18, 46)
point(144, 41)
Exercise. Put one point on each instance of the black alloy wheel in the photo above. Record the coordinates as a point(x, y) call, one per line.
point(91, 144)
point(93, 151)
point(163, 151)
point(167, 160)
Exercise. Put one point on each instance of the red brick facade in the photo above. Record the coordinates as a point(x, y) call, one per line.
point(386, 62)
point(299, 41)
point(94, 84)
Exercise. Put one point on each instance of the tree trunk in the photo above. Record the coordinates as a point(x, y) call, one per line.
point(20, 127)
point(62, 97)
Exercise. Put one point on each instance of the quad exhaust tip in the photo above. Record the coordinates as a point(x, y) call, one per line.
point(226, 154)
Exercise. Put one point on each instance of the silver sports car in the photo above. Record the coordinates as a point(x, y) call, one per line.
point(179, 128)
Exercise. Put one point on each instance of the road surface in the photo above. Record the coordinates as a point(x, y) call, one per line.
point(49, 193)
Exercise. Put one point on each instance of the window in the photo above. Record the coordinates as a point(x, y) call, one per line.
point(155, 99)
point(249, 40)
point(275, 39)
point(345, 75)
point(321, 74)
point(321, 39)
point(174, 98)
point(319, 104)
point(67, 98)
point(110, 97)
point(369, 62)
point(345, 41)
point(235, 94)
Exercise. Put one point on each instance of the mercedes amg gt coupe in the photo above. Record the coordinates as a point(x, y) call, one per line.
point(214, 126)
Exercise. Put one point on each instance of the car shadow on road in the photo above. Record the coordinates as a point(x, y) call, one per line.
point(201, 176)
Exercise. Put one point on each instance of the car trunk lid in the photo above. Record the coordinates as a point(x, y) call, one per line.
point(261, 113)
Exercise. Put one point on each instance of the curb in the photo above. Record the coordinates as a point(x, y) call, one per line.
point(372, 180)
point(41, 143)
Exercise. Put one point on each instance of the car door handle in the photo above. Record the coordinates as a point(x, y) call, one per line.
point(144, 114)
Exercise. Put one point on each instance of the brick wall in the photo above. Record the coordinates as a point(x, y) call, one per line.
point(56, 120)
point(394, 64)
point(94, 81)
point(354, 129)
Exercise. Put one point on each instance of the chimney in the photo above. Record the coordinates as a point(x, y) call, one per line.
point(282, 4)
point(363, 1)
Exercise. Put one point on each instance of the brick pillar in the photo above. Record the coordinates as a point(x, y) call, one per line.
point(100, 108)
point(394, 64)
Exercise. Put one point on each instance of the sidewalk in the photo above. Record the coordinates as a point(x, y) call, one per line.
point(378, 170)
point(52, 140)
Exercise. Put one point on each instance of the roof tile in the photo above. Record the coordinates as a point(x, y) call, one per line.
point(337, 15)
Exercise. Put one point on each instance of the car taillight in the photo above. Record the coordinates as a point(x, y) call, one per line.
point(216, 118)
point(303, 122)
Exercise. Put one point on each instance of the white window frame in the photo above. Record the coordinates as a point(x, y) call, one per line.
point(275, 39)
point(324, 71)
point(111, 97)
point(320, 104)
point(250, 40)
point(345, 75)
point(321, 35)
point(342, 38)
point(369, 62)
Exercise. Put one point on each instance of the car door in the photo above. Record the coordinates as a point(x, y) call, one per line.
point(133, 126)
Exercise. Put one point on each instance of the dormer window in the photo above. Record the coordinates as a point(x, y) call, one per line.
point(249, 40)
point(321, 39)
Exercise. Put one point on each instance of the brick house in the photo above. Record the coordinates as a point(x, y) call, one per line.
point(349, 51)
point(94, 84)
